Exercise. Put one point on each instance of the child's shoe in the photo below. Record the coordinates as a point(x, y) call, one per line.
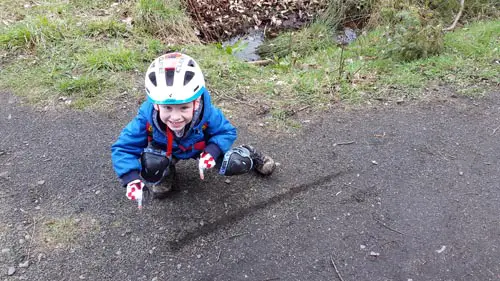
point(162, 189)
point(263, 164)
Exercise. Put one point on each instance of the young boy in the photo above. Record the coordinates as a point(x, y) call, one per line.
point(178, 122)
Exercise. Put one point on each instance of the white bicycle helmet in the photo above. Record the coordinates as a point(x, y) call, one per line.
point(174, 78)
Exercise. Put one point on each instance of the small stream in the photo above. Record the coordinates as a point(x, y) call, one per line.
point(245, 46)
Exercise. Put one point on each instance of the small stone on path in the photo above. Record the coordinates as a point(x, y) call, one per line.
point(11, 271)
point(24, 264)
point(4, 175)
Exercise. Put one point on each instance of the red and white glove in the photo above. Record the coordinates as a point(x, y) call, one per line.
point(206, 162)
point(134, 191)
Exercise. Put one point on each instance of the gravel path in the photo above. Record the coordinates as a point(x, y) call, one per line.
point(399, 192)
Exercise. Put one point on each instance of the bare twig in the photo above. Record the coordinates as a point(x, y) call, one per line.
point(31, 239)
point(344, 143)
point(234, 236)
point(388, 227)
point(336, 269)
point(451, 27)
point(495, 130)
point(303, 108)
point(218, 255)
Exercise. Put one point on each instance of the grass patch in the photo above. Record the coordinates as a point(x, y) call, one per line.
point(113, 59)
point(479, 40)
point(467, 59)
point(106, 28)
point(165, 19)
point(64, 231)
point(320, 78)
point(31, 34)
point(86, 85)
point(86, 52)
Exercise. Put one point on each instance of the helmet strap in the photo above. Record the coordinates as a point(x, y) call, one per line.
point(170, 139)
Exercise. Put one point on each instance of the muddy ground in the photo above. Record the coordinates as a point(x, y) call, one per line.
point(391, 192)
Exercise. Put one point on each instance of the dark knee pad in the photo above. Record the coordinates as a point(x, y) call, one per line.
point(236, 161)
point(154, 165)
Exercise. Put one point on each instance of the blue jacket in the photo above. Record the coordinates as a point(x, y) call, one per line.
point(213, 129)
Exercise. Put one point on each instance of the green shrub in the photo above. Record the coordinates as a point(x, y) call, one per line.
point(414, 35)
point(354, 13)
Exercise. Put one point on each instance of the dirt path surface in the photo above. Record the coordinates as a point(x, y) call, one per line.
point(415, 196)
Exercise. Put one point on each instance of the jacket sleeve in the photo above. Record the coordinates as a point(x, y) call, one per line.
point(222, 134)
point(126, 151)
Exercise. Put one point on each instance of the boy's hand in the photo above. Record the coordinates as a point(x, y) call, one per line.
point(206, 162)
point(134, 191)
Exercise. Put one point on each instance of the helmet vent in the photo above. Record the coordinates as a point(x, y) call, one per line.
point(196, 89)
point(191, 63)
point(152, 78)
point(169, 75)
point(188, 76)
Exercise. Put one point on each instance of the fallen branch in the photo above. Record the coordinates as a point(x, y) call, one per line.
point(450, 28)
point(336, 269)
point(261, 62)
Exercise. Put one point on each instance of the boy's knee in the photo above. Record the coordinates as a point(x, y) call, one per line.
point(236, 161)
point(154, 165)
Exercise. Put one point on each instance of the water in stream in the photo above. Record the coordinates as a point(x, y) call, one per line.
point(245, 46)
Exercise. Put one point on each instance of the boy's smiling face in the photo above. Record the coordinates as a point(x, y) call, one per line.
point(176, 116)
